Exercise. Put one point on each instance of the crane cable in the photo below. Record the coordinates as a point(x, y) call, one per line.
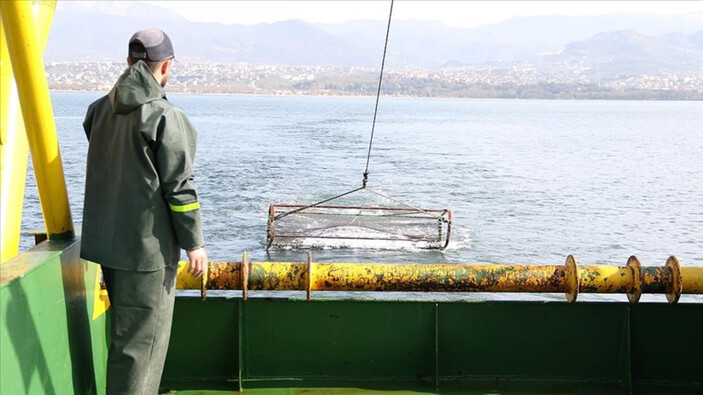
point(368, 155)
point(373, 127)
point(378, 95)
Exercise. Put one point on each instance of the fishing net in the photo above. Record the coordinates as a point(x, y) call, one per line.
point(301, 226)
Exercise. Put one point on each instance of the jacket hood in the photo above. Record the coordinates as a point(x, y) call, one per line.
point(136, 86)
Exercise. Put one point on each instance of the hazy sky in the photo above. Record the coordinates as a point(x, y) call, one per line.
point(451, 13)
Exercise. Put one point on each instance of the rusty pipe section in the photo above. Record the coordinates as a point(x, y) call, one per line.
point(632, 279)
point(291, 276)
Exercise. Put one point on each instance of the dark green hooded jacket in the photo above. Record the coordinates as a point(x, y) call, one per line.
point(140, 205)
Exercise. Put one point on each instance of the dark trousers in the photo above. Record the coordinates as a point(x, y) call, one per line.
point(141, 305)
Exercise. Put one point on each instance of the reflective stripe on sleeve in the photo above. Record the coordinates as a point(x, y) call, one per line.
point(185, 207)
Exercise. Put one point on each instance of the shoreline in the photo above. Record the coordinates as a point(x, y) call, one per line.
point(388, 97)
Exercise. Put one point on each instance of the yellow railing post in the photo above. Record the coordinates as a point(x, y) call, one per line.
point(13, 139)
point(13, 158)
point(25, 50)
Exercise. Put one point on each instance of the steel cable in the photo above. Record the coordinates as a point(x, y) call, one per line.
point(378, 95)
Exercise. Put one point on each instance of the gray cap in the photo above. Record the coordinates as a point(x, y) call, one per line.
point(150, 44)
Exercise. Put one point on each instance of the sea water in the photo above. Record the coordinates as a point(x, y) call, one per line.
point(527, 181)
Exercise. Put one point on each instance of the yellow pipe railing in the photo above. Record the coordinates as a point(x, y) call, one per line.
point(24, 47)
point(13, 138)
point(13, 158)
point(633, 280)
point(692, 279)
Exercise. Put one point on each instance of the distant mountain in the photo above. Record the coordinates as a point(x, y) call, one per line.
point(626, 52)
point(87, 30)
point(99, 31)
point(432, 44)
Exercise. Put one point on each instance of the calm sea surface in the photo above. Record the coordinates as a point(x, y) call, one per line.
point(528, 181)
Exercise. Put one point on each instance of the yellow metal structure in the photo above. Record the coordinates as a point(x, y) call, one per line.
point(13, 138)
point(410, 277)
point(13, 158)
point(25, 53)
point(692, 279)
point(605, 279)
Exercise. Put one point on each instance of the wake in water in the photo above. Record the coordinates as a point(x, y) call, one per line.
point(358, 237)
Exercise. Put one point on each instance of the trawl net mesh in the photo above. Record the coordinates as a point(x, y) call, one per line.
point(341, 226)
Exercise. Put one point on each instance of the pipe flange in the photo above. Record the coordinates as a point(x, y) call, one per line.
point(571, 275)
point(309, 277)
point(203, 282)
point(676, 285)
point(245, 275)
point(636, 291)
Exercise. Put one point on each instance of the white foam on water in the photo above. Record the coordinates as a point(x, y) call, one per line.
point(331, 244)
point(460, 239)
point(349, 237)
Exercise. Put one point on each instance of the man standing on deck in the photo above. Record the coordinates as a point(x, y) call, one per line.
point(140, 209)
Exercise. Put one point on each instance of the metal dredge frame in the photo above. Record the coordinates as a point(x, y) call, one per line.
point(443, 216)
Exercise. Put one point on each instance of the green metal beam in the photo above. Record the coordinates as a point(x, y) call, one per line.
point(49, 342)
point(436, 346)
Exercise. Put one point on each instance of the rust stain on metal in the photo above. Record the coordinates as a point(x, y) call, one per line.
point(655, 279)
point(224, 275)
point(444, 277)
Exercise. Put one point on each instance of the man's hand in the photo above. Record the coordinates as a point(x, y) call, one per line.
point(198, 260)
